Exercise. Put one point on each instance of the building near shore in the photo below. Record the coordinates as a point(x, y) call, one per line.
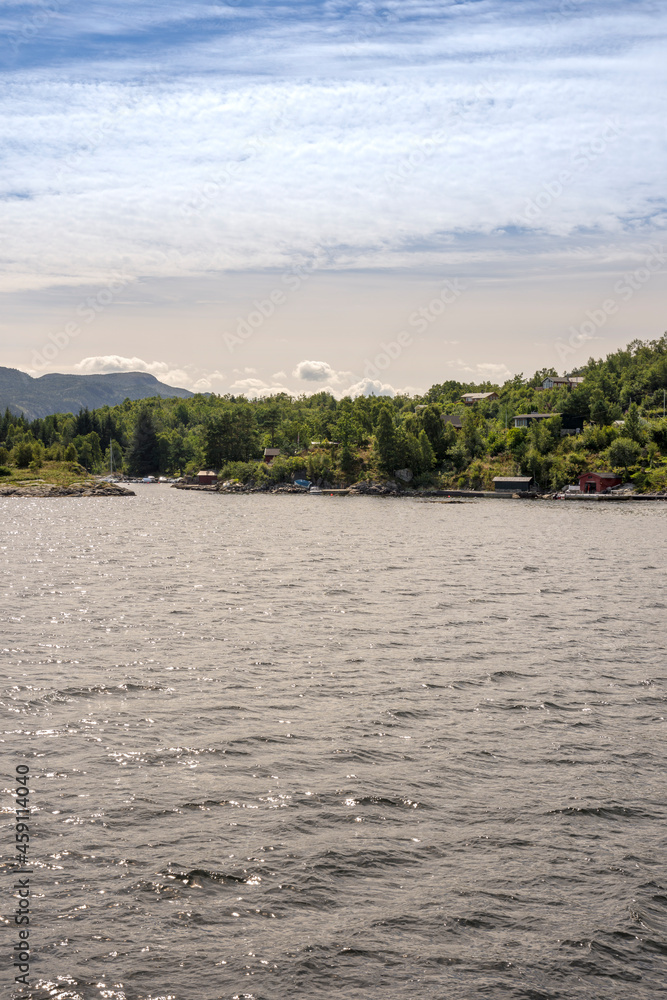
point(598, 482)
point(270, 454)
point(207, 478)
point(516, 484)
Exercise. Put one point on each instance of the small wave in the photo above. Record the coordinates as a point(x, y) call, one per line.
point(64, 695)
point(195, 875)
point(603, 812)
point(502, 674)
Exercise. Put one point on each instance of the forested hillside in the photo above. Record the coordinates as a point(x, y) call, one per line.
point(339, 441)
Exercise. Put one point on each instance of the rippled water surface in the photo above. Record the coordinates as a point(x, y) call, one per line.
point(338, 747)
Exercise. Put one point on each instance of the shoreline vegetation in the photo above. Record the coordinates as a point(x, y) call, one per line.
point(58, 479)
point(606, 416)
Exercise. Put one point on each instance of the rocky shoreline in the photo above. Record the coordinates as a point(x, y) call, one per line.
point(49, 490)
point(390, 488)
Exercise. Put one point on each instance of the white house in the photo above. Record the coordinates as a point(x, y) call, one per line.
point(478, 397)
point(567, 382)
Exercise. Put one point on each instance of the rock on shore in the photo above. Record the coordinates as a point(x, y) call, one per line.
point(49, 490)
point(366, 488)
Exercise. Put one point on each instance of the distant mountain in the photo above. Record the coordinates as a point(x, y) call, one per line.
point(37, 397)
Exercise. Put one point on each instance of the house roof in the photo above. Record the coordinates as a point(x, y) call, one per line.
point(478, 395)
point(206, 472)
point(512, 479)
point(601, 475)
point(452, 418)
point(535, 416)
point(272, 451)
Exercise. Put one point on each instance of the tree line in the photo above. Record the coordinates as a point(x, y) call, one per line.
point(621, 399)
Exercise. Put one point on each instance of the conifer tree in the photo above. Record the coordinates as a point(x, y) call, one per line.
point(142, 456)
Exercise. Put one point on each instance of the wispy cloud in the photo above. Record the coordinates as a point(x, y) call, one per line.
point(299, 119)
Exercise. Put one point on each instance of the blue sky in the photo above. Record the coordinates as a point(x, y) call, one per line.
point(204, 151)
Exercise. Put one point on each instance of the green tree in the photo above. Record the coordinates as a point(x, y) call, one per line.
point(23, 454)
point(472, 437)
point(517, 440)
point(598, 408)
point(431, 420)
point(230, 435)
point(544, 434)
point(659, 435)
point(622, 453)
point(93, 440)
point(345, 433)
point(409, 454)
point(385, 440)
point(269, 420)
point(428, 457)
point(449, 438)
point(633, 426)
point(71, 454)
point(38, 455)
point(86, 454)
point(143, 456)
point(458, 456)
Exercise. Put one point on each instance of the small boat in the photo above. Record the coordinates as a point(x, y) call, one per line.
point(303, 483)
point(315, 490)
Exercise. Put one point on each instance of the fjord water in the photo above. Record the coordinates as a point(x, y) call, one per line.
point(338, 747)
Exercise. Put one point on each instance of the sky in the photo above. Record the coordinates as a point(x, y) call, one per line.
point(254, 197)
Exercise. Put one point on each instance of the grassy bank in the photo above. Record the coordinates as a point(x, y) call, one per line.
point(53, 473)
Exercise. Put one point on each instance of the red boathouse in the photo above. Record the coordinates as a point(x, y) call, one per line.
point(598, 482)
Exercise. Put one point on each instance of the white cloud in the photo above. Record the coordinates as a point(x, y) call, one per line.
point(315, 371)
point(371, 387)
point(340, 383)
point(211, 382)
point(255, 388)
